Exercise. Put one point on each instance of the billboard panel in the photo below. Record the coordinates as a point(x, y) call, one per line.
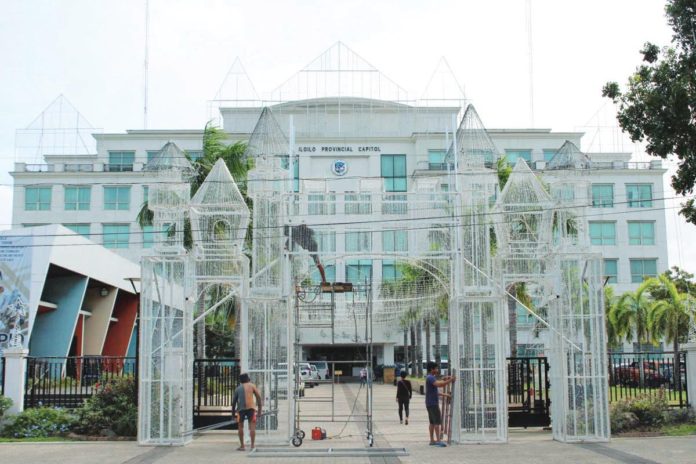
point(15, 280)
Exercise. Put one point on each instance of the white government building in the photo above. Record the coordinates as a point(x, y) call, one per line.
point(346, 136)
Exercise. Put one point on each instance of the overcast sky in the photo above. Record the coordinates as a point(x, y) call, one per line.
point(92, 52)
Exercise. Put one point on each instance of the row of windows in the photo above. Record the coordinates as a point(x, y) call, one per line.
point(114, 235)
point(122, 161)
point(637, 195)
point(79, 198)
point(639, 232)
point(641, 269)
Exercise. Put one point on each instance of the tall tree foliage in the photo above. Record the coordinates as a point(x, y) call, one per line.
point(658, 104)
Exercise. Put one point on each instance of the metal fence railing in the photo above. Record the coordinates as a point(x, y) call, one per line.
point(214, 382)
point(648, 373)
point(68, 381)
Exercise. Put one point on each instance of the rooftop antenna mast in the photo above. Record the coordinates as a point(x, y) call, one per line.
point(146, 62)
point(530, 54)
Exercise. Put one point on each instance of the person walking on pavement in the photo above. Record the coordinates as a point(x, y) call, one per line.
point(404, 392)
point(432, 403)
point(363, 376)
point(243, 408)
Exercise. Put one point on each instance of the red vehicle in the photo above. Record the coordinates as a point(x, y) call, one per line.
point(630, 374)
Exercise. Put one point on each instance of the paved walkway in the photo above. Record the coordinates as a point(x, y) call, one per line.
point(524, 446)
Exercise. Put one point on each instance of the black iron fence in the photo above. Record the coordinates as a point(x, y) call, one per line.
point(67, 382)
point(647, 373)
point(214, 382)
point(528, 392)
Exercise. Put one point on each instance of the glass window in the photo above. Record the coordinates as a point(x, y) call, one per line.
point(549, 153)
point(611, 270)
point(148, 236)
point(326, 240)
point(358, 203)
point(641, 232)
point(602, 195)
point(329, 271)
point(81, 229)
point(194, 154)
point(77, 198)
point(642, 269)
point(394, 172)
point(117, 198)
point(513, 155)
point(436, 160)
point(390, 271)
point(151, 154)
point(639, 195)
point(602, 233)
point(285, 164)
point(321, 204)
point(116, 235)
point(358, 241)
point(395, 240)
point(359, 270)
point(120, 161)
point(37, 198)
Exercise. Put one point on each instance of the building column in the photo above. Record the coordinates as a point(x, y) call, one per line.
point(388, 354)
point(690, 349)
point(15, 374)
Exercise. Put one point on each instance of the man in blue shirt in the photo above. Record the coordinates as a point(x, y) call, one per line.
point(432, 403)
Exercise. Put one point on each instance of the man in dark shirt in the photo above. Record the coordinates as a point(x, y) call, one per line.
point(432, 403)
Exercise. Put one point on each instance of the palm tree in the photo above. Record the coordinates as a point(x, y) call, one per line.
point(668, 317)
point(441, 313)
point(609, 310)
point(519, 290)
point(630, 317)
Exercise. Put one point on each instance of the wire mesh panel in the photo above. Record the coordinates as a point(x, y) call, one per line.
point(578, 357)
point(268, 362)
point(480, 364)
point(166, 352)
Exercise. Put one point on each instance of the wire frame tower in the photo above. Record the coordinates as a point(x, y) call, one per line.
point(165, 413)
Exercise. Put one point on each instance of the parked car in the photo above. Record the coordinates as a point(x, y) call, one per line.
point(629, 374)
point(306, 374)
point(282, 379)
point(315, 374)
point(322, 368)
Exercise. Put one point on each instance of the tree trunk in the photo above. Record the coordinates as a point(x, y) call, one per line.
point(412, 350)
point(438, 340)
point(427, 339)
point(200, 329)
point(406, 358)
point(512, 320)
point(419, 347)
point(676, 368)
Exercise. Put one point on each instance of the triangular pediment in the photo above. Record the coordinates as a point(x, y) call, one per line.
point(170, 158)
point(474, 145)
point(524, 188)
point(268, 140)
point(569, 156)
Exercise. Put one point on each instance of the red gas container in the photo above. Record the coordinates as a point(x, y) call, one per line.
point(318, 433)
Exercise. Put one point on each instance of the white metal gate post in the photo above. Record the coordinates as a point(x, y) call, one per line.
point(690, 349)
point(15, 376)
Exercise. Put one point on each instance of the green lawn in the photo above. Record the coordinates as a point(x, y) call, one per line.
point(680, 430)
point(33, 440)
